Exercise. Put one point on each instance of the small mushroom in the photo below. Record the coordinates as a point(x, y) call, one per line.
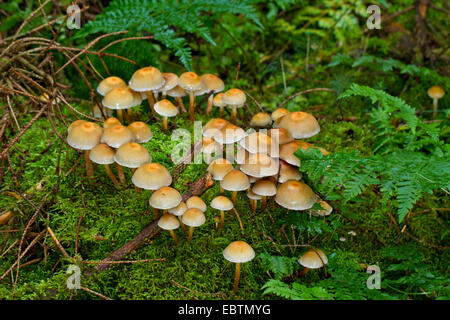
point(235, 181)
point(170, 83)
point(119, 99)
point(435, 93)
point(103, 154)
point(300, 124)
point(148, 80)
point(222, 204)
point(238, 252)
point(164, 198)
point(141, 131)
point(132, 155)
point(312, 259)
point(260, 165)
point(85, 136)
point(109, 122)
point(261, 120)
point(218, 102)
point(218, 169)
point(106, 85)
point(166, 109)
point(169, 222)
point(178, 93)
point(178, 211)
point(295, 195)
point(234, 98)
point(253, 199)
point(213, 85)
point(325, 211)
point(151, 176)
point(278, 114)
point(193, 218)
point(117, 135)
point(191, 82)
point(264, 188)
point(197, 203)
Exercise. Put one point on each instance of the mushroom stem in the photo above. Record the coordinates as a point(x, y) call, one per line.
point(181, 223)
point(151, 101)
point(222, 218)
point(111, 175)
point(180, 103)
point(236, 277)
point(221, 111)
point(164, 94)
point(233, 115)
point(210, 104)
point(304, 271)
point(138, 190)
point(263, 203)
point(222, 190)
point(233, 197)
point(191, 232)
point(435, 107)
point(164, 123)
point(173, 236)
point(120, 115)
point(89, 167)
point(155, 214)
point(254, 205)
point(120, 172)
point(191, 105)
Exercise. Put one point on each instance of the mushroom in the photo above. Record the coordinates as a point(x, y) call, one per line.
point(178, 93)
point(193, 218)
point(238, 252)
point(234, 98)
point(75, 124)
point(111, 121)
point(197, 203)
point(300, 124)
point(218, 169)
point(103, 154)
point(258, 142)
point(149, 80)
point(213, 85)
point(325, 211)
point(235, 181)
point(222, 204)
point(151, 176)
point(132, 155)
point(85, 136)
point(260, 165)
point(280, 136)
point(106, 85)
point(218, 102)
point(190, 82)
point(178, 211)
point(117, 135)
point(295, 195)
point(119, 99)
point(169, 222)
point(164, 198)
point(166, 109)
point(435, 93)
point(229, 135)
point(288, 172)
point(171, 81)
point(253, 199)
point(278, 114)
point(312, 259)
point(261, 120)
point(141, 131)
point(213, 127)
point(209, 147)
point(264, 188)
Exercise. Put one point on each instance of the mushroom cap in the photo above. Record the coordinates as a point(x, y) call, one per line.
point(235, 180)
point(287, 153)
point(280, 136)
point(109, 83)
point(234, 97)
point(295, 195)
point(147, 79)
point(279, 113)
point(165, 108)
point(258, 142)
point(300, 124)
point(97, 112)
point(213, 126)
point(151, 176)
point(253, 196)
point(265, 188)
point(171, 81)
point(111, 121)
point(436, 92)
point(325, 211)
point(260, 165)
point(241, 155)
point(193, 217)
point(229, 134)
point(288, 172)
point(179, 209)
point(102, 154)
point(190, 81)
point(196, 202)
point(176, 92)
point(203, 90)
point(217, 100)
point(261, 119)
point(305, 145)
point(168, 222)
point(132, 155)
point(137, 96)
point(239, 252)
point(219, 168)
point(84, 136)
point(75, 124)
point(141, 131)
point(209, 145)
point(165, 198)
point(212, 83)
point(119, 98)
point(117, 135)
point(221, 203)
point(313, 259)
